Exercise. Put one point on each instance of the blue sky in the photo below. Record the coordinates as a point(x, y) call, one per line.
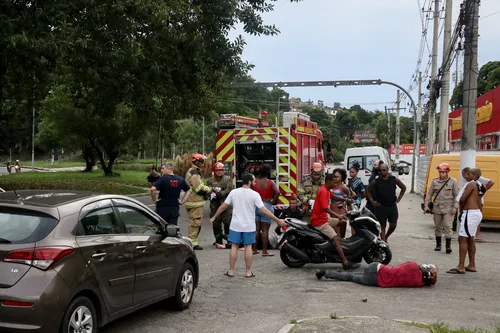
point(354, 40)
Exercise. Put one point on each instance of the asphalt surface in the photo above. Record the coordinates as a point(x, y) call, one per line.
point(278, 294)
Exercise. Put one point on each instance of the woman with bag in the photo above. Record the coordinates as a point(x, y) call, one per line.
point(440, 201)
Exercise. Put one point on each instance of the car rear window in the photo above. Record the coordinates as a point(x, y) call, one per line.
point(21, 227)
point(365, 161)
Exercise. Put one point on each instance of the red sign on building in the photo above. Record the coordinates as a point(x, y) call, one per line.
point(487, 121)
point(406, 149)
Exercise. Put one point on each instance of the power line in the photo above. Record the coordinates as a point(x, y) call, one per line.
point(482, 18)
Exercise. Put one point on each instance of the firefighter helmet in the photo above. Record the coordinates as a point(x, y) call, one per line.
point(198, 158)
point(218, 166)
point(444, 167)
point(317, 167)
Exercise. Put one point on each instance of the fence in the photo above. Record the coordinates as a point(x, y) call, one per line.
point(422, 164)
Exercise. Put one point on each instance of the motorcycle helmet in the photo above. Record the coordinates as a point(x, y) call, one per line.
point(429, 274)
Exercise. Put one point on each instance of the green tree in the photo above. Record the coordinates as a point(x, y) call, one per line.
point(488, 78)
point(118, 59)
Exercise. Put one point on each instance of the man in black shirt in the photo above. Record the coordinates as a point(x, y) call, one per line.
point(170, 187)
point(386, 208)
point(293, 211)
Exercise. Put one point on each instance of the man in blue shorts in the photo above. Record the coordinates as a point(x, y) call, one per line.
point(242, 228)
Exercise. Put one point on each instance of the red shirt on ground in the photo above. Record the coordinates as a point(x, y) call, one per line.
point(404, 275)
point(318, 215)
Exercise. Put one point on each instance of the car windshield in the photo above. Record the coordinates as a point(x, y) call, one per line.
point(24, 227)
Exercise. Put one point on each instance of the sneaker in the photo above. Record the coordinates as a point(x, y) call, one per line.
point(320, 273)
point(350, 265)
point(197, 247)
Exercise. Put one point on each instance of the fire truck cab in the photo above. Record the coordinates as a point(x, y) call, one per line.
point(243, 144)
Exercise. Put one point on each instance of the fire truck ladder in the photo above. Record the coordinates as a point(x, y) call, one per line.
point(283, 143)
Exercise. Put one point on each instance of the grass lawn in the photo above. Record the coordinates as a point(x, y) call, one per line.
point(128, 182)
point(444, 328)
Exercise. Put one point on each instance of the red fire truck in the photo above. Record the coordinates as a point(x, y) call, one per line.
point(243, 144)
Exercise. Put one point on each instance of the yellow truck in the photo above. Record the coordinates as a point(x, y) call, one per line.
point(490, 167)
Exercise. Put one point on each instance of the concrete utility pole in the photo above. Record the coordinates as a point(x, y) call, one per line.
point(398, 127)
point(468, 141)
point(445, 88)
point(431, 130)
point(203, 134)
point(388, 115)
point(416, 133)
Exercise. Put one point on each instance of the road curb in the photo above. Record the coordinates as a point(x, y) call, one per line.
point(289, 327)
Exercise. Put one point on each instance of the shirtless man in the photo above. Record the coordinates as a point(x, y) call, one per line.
point(470, 205)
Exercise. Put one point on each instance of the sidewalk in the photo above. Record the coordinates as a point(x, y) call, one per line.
point(352, 324)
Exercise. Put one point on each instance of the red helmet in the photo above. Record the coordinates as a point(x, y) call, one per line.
point(218, 166)
point(317, 167)
point(444, 167)
point(198, 158)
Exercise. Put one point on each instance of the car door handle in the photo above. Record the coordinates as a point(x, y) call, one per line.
point(99, 255)
point(141, 247)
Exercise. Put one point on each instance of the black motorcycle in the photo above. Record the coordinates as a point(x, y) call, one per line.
point(300, 243)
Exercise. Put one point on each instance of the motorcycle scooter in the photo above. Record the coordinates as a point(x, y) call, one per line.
point(300, 243)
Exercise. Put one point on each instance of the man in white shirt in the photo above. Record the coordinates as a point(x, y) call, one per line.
point(242, 227)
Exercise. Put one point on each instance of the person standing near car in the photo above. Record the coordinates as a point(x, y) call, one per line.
point(197, 198)
point(441, 197)
point(384, 187)
point(355, 184)
point(242, 229)
point(170, 187)
point(152, 178)
point(221, 186)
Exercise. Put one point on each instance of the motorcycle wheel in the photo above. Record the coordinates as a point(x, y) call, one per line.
point(289, 260)
point(378, 254)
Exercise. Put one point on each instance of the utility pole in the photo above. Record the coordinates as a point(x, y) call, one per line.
point(416, 132)
point(203, 134)
point(468, 141)
point(431, 131)
point(388, 115)
point(396, 148)
point(445, 88)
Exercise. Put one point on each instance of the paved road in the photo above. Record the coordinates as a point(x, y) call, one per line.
point(279, 294)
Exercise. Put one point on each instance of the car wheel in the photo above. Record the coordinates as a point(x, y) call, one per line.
point(80, 317)
point(185, 288)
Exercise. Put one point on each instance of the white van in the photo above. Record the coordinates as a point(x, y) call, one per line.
point(365, 156)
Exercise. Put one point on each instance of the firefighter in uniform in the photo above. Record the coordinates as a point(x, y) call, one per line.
point(221, 186)
point(442, 193)
point(197, 198)
point(309, 187)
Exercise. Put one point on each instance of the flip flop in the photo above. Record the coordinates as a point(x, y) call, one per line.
point(470, 270)
point(267, 255)
point(250, 276)
point(226, 273)
point(454, 271)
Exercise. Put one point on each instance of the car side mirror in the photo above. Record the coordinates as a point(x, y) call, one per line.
point(172, 230)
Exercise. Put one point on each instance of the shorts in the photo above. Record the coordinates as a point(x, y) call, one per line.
point(241, 237)
point(259, 217)
point(327, 228)
point(469, 222)
point(386, 214)
point(169, 213)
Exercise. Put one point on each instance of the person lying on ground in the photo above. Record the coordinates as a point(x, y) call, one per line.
point(408, 274)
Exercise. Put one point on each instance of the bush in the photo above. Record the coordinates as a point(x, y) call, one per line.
point(97, 186)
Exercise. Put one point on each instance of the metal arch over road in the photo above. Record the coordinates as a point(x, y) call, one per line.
point(338, 83)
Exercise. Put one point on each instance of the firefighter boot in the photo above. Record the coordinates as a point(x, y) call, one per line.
point(438, 244)
point(448, 245)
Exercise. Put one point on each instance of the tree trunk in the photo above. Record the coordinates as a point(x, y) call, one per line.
point(89, 157)
point(107, 168)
